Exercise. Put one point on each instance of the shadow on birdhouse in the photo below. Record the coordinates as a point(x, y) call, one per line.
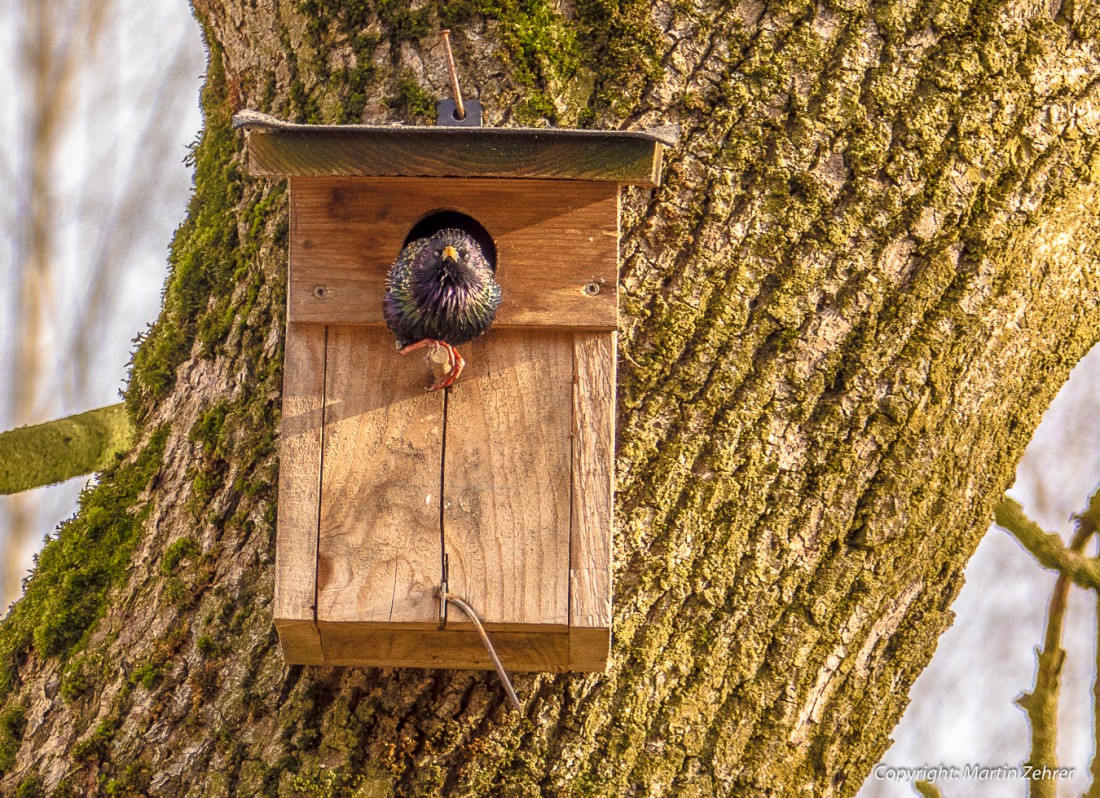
point(507, 475)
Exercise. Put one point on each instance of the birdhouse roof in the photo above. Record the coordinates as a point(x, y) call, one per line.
point(277, 148)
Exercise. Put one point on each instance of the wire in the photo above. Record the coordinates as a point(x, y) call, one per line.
point(444, 597)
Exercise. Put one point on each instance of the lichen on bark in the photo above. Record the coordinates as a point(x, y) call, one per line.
point(872, 262)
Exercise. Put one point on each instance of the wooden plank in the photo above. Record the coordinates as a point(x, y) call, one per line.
point(592, 523)
point(506, 478)
point(628, 157)
point(300, 641)
point(379, 550)
point(589, 649)
point(553, 240)
point(352, 644)
point(294, 602)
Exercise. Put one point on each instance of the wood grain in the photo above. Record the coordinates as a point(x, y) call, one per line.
point(353, 644)
point(553, 239)
point(506, 479)
point(379, 550)
point(615, 156)
point(294, 602)
point(592, 523)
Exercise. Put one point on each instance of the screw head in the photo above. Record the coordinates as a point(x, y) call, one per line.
point(319, 291)
point(592, 289)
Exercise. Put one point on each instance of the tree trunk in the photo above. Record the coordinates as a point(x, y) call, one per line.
point(871, 265)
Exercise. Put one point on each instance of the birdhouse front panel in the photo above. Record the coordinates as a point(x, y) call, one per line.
point(557, 241)
point(505, 477)
point(382, 451)
point(499, 487)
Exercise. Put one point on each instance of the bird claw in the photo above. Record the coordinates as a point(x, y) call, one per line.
point(455, 361)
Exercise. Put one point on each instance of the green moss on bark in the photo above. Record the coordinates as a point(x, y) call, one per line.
point(89, 555)
point(31, 457)
point(204, 254)
point(411, 101)
point(31, 787)
point(13, 722)
point(549, 55)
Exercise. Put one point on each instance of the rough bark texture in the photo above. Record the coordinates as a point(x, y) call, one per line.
point(871, 265)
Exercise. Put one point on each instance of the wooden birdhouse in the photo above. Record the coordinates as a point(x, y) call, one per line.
point(506, 477)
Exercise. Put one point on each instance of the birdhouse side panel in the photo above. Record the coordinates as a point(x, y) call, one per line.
point(592, 501)
point(379, 543)
point(556, 242)
point(506, 480)
point(299, 493)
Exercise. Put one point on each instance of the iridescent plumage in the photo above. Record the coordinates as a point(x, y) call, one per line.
point(440, 292)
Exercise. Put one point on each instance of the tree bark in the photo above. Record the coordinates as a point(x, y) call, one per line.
point(871, 265)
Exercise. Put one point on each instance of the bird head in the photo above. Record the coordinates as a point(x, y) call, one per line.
point(452, 256)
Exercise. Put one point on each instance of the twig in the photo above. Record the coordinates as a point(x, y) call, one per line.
point(1041, 704)
point(1048, 549)
point(1090, 520)
point(1094, 768)
point(1091, 516)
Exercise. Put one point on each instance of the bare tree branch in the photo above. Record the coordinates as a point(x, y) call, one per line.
point(1094, 767)
point(1041, 704)
point(1047, 548)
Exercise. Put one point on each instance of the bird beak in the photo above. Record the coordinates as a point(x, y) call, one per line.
point(450, 253)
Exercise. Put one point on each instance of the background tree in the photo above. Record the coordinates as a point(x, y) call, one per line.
point(89, 200)
point(872, 263)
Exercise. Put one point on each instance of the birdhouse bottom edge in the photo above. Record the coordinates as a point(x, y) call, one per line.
point(305, 642)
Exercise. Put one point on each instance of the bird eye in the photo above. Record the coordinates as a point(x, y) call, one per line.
point(462, 252)
point(439, 253)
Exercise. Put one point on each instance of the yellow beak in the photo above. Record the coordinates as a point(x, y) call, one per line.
point(450, 252)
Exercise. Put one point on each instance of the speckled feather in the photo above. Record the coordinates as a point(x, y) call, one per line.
point(430, 298)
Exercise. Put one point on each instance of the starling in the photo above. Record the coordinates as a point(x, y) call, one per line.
point(440, 293)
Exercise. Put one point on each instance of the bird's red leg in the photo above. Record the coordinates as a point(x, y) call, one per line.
point(433, 343)
point(455, 362)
